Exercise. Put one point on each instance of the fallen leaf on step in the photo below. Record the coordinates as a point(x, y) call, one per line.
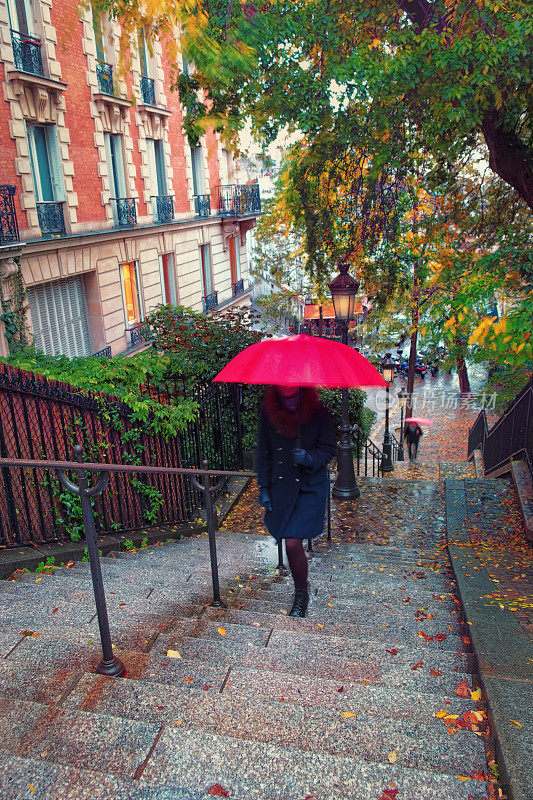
point(518, 724)
point(416, 666)
point(348, 714)
point(436, 673)
point(222, 631)
point(462, 777)
point(173, 654)
point(462, 690)
point(393, 652)
point(32, 788)
point(218, 791)
point(392, 757)
point(389, 794)
point(476, 695)
point(441, 714)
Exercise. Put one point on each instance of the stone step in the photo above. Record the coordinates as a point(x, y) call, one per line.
point(423, 745)
point(376, 672)
point(350, 610)
point(272, 772)
point(395, 626)
point(35, 779)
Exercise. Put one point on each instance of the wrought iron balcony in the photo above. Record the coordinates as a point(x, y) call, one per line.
point(125, 212)
point(148, 90)
point(210, 302)
point(9, 229)
point(104, 353)
point(235, 201)
point(139, 333)
point(104, 73)
point(51, 219)
point(163, 206)
point(27, 53)
point(202, 205)
point(238, 287)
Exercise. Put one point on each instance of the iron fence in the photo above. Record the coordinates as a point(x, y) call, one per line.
point(125, 212)
point(510, 438)
point(51, 219)
point(104, 74)
point(163, 207)
point(27, 52)
point(237, 200)
point(41, 419)
point(368, 457)
point(202, 205)
point(9, 229)
point(148, 90)
point(210, 302)
point(238, 288)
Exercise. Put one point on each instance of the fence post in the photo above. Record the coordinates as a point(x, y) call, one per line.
point(110, 665)
point(208, 491)
point(238, 419)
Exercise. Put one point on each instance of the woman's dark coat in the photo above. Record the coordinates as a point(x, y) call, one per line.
point(412, 434)
point(298, 494)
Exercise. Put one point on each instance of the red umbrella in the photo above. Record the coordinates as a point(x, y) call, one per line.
point(301, 361)
point(419, 420)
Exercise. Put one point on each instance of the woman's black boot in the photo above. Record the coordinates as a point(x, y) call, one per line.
point(301, 601)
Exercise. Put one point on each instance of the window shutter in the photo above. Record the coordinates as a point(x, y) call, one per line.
point(237, 258)
point(56, 163)
point(197, 158)
point(33, 161)
point(160, 167)
point(120, 175)
point(152, 169)
point(141, 41)
point(59, 318)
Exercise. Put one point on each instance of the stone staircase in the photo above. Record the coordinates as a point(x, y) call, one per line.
point(357, 701)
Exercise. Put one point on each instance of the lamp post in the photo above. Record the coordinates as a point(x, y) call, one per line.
point(402, 400)
point(343, 290)
point(387, 369)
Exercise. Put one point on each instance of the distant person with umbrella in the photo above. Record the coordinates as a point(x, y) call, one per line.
point(296, 442)
point(413, 432)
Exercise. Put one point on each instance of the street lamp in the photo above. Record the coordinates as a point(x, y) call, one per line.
point(387, 368)
point(343, 290)
point(402, 401)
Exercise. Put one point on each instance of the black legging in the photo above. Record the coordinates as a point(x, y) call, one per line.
point(297, 562)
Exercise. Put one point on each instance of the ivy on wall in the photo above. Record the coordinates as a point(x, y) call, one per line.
point(14, 307)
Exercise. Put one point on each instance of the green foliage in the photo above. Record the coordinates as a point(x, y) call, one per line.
point(144, 543)
point(43, 565)
point(128, 545)
point(360, 414)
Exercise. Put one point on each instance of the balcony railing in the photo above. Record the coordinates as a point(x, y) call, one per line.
point(104, 353)
point(163, 206)
point(202, 205)
point(125, 212)
point(9, 229)
point(104, 73)
point(51, 219)
point(210, 302)
point(148, 90)
point(238, 288)
point(139, 333)
point(27, 53)
point(235, 201)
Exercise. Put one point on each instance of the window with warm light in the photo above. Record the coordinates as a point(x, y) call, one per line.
point(234, 259)
point(131, 294)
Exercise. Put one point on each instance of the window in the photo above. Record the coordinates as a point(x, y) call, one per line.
point(168, 279)
point(21, 16)
point(197, 158)
point(156, 167)
point(59, 318)
point(234, 259)
point(115, 164)
point(98, 30)
point(207, 278)
point(130, 291)
point(143, 58)
point(46, 166)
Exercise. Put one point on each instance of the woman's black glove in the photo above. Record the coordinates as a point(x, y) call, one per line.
point(264, 499)
point(302, 458)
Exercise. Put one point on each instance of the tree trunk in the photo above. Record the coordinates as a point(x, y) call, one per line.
point(462, 372)
point(411, 374)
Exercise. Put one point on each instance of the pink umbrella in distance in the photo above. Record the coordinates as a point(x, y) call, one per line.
point(419, 420)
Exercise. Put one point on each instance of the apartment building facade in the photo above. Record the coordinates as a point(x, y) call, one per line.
point(110, 210)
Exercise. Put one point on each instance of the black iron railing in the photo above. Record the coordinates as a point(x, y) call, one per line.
point(202, 205)
point(42, 419)
point(9, 229)
point(51, 219)
point(368, 457)
point(139, 334)
point(104, 353)
point(148, 90)
point(104, 73)
point(238, 288)
point(210, 302)
point(511, 436)
point(163, 206)
point(125, 212)
point(236, 201)
point(27, 52)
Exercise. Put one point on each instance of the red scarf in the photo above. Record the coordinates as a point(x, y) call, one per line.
point(283, 421)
